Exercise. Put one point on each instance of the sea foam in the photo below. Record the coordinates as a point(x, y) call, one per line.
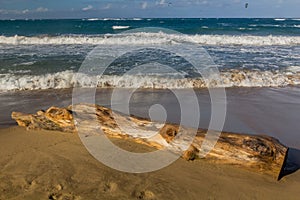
point(70, 79)
point(120, 27)
point(153, 38)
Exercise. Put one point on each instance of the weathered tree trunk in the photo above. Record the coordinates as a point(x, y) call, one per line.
point(253, 152)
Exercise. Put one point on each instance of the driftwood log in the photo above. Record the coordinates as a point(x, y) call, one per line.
point(253, 152)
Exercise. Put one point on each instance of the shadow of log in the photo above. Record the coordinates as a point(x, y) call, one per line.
point(291, 163)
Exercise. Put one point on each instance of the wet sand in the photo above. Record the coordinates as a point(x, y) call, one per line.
point(55, 165)
point(269, 111)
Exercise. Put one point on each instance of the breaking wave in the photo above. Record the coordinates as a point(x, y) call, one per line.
point(280, 19)
point(153, 38)
point(112, 19)
point(120, 27)
point(232, 78)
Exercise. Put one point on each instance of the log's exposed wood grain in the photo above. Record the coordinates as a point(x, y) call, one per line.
point(253, 152)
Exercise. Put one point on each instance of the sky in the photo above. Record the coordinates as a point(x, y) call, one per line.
point(39, 9)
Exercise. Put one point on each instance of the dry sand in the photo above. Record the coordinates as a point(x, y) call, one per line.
point(55, 165)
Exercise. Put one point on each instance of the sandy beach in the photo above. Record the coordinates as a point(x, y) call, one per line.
point(56, 165)
point(209, 91)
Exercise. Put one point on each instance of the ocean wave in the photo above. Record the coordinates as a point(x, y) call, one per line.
point(272, 25)
point(154, 38)
point(93, 19)
point(21, 71)
point(25, 63)
point(112, 19)
point(280, 19)
point(120, 27)
point(232, 78)
point(103, 19)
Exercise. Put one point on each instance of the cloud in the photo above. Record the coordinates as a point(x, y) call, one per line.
point(108, 6)
point(89, 7)
point(161, 2)
point(144, 5)
point(16, 12)
point(25, 11)
point(164, 3)
point(3, 11)
point(206, 2)
point(41, 9)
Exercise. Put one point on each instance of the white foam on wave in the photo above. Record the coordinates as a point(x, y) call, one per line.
point(36, 82)
point(120, 27)
point(25, 63)
point(103, 19)
point(270, 25)
point(154, 38)
point(280, 19)
point(293, 69)
point(113, 19)
point(93, 19)
point(21, 71)
point(233, 78)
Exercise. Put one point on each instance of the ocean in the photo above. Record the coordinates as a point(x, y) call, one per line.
point(258, 60)
point(44, 54)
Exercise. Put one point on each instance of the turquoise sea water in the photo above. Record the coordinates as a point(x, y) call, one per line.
point(97, 26)
point(45, 54)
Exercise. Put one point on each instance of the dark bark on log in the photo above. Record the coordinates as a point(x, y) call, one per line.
point(253, 152)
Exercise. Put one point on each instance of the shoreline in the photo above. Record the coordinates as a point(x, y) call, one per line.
point(269, 111)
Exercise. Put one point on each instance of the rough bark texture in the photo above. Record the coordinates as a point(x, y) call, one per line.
point(253, 152)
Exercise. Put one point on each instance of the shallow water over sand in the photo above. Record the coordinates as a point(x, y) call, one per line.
point(270, 111)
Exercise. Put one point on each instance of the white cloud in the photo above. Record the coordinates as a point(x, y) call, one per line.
point(41, 9)
point(144, 5)
point(3, 11)
point(164, 3)
point(206, 2)
point(89, 7)
point(25, 11)
point(161, 2)
point(108, 6)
